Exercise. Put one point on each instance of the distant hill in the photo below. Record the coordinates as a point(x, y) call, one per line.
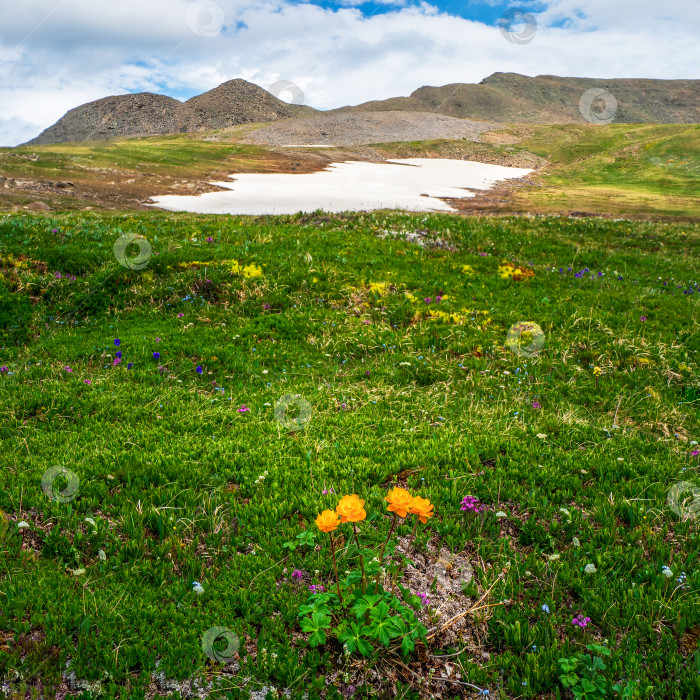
point(147, 114)
point(548, 99)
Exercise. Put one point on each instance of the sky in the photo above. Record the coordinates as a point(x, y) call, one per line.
point(58, 54)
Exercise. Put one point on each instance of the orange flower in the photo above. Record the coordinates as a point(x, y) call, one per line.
point(327, 521)
point(423, 508)
point(400, 501)
point(351, 509)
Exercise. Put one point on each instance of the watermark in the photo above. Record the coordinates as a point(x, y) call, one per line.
point(205, 18)
point(605, 102)
point(233, 644)
point(281, 408)
point(68, 493)
point(681, 504)
point(285, 86)
point(525, 338)
point(122, 251)
point(518, 25)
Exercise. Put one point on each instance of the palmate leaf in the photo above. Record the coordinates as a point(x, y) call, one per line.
point(353, 639)
point(316, 624)
point(366, 604)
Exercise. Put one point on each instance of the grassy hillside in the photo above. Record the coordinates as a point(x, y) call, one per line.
point(549, 99)
point(190, 496)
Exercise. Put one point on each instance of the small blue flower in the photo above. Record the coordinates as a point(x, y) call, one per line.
point(199, 369)
point(130, 365)
point(117, 342)
point(156, 356)
point(545, 608)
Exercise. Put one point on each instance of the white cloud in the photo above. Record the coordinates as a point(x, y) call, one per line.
point(57, 54)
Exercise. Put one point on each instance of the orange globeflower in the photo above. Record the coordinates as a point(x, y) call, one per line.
point(400, 501)
point(423, 508)
point(351, 509)
point(327, 521)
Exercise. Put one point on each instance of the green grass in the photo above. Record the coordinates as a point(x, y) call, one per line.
point(640, 169)
point(169, 469)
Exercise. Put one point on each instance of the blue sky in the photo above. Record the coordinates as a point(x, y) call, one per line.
point(58, 54)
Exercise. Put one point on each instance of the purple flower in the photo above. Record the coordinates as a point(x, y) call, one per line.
point(327, 491)
point(117, 360)
point(424, 599)
point(68, 369)
point(695, 453)
point(156, 356)
point(438, 299)
point(117, 342)
point(130, 365)
point(367, 373)
point(87, 381)
point(57, 275)
point(4, 368)
point(118, 354)
point(54, 230)
point(483, 254)
point(581, 621)
point(243, 409)
point(157, 340)
point(199, 369)
point(180, 315)
point(316, 589)
point(643, 318)
point(266, 306)
point(296, 573)
point(472, 504)
point(536, 404)
point(427, 300)
point(210, 239)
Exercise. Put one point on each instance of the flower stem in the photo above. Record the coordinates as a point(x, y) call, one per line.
point(408, 550)
point(381, 556)
point(335, 567)
point(362, 560)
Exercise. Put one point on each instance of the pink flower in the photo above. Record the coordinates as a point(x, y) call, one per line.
point(180, 315)
point(296, 573)
point(316, 589)
point(117, 360)
point(438, 299)
point(67, 369)
point(472, 503)
point(4, 368)
point(581, 621)
point(643, 318)
point(87, 381)
point(536, 404)
point(327, 491)
point(210, 239)
point(243, 409)
point(157, 340)
point(695, 453)
point(427, 300)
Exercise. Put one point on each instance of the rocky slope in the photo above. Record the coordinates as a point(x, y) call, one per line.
point(147, 114)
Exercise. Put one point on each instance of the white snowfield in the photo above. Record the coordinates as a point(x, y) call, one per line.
point(412, 184)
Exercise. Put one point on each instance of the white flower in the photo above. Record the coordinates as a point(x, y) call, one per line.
point(90, 521)
point(553, 557)
point(590, 569)
point(78, 572)
point(101, 554)
point(566, 512)
point(22, 524)
point(575, 542)
point(541, 436)
point(501, 514)
point(197, 588)
point(620, 459)
point(265, 372)
point(666, 572)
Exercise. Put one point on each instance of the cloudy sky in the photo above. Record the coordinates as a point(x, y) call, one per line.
point(58, 54)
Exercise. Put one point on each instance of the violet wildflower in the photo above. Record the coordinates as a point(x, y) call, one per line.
point(130, 365)
point(296, 573)
point(67, 369)
point(210, 239)
point(117, 360)
point(117, 342)
point(643, 318)
point(118, 354)
point(87, 381)
point(581, 621)
point(243, 409)
point(156, 356)
point(4, 368)
point(536, 404)
point(266, 306)
point(427, 300)
point(472, 504)
point(180, 315)
point(199, 369)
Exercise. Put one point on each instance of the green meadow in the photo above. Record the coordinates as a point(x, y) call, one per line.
point(177, 413)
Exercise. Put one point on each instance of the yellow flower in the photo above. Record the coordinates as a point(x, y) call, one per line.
point(597, 371)
point(423, 508)
point(351, 509)
point(467, 270)
point(378, 287)
point(400, 501)
point(252, 270)
point(327, 521)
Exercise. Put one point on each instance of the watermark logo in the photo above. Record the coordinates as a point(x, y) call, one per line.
point(205, 18)
point(282, 412)
point(67, 494)
point(124, 254)
point(212, 635)
point(684, 499)
point(525, 338)
point(281, 87)
point(517, 25)
point(597, 106)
